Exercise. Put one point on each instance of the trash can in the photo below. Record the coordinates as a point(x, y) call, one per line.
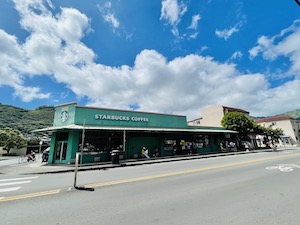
point(115, 157)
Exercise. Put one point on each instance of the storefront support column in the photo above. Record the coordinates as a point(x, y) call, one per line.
point(124, 142)
point(82, 144)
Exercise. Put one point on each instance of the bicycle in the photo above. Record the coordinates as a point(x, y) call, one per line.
point(22, 159)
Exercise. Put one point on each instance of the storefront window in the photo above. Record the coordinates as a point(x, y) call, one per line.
point(104, 141)
point(201, 141)
point(169, 145)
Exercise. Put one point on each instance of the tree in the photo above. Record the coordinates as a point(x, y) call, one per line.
point(273, 134)
point(10, 138)
point(257, 128)
point(238, 122)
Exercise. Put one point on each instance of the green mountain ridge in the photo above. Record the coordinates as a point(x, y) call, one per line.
point(26, 120)
point(294, 114)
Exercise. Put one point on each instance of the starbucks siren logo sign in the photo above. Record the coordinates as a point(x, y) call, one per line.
point(64, 116)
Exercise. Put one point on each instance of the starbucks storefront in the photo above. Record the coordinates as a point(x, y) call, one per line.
point(98, 131)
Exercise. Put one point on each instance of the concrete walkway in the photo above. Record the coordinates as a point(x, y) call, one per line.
point(10, 165)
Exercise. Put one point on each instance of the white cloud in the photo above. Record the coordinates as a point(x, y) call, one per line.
point(182, 85)
point(171, 12)
point(10, 53)
point(227, 33)
point(264, 45)
point(194, 35)
point(110, 18)
point(11, 57)
point(108, 15)
point(237, 55)
point(27, 94)
point(195, 20)
point(286, 44)
point(203, 48)
point(50, 4)
point(107, 4)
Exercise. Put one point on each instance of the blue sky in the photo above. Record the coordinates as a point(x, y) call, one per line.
point(166, 56)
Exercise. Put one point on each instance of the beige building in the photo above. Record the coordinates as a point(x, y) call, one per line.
point(212, 116)
point(289, 125)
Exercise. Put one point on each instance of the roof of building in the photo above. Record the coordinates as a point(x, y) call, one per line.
point(197, 119)
point(188, 129)
point(274, 118)
point(235, 109)
point(120, 110)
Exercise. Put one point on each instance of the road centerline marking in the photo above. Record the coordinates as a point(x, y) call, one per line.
point(110, 183)
point(129, 180)
point(30, 195)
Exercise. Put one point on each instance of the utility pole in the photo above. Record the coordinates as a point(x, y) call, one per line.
point(80, 154)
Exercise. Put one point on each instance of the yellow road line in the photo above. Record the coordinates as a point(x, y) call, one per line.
point(31, 195)
point(109, 183)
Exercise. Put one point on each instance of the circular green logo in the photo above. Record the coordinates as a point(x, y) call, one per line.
point(64, 116)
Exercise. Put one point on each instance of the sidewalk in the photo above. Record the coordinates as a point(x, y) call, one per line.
point(10, 165)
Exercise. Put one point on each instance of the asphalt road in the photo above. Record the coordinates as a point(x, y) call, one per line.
point(261, 188)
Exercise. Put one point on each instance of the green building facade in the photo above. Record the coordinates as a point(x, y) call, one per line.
point(98, 131)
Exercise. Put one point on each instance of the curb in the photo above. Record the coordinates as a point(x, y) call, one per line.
point(137, 162)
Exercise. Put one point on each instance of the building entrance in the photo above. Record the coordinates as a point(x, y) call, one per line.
point(61, 151)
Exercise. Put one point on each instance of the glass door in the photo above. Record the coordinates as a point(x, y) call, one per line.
point(61, 151)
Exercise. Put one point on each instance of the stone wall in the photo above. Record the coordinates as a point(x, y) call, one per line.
point(21, 151)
